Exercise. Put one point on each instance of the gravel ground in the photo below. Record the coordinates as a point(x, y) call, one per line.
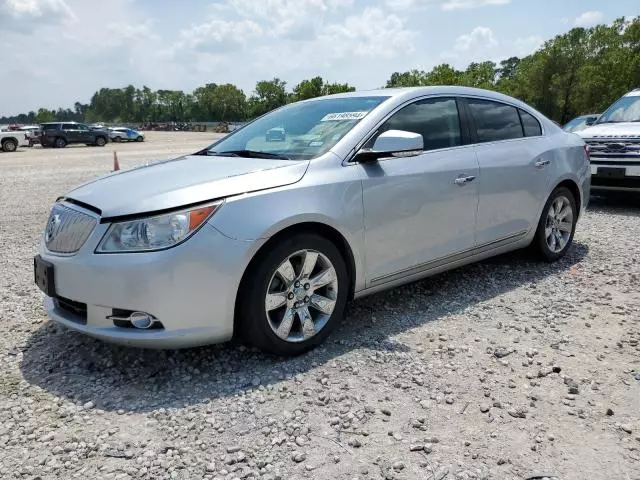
point(508, 369)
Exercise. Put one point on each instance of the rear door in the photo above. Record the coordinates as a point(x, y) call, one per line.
point(70, 132)
point(514, 175)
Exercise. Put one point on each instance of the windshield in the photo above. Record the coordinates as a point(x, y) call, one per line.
point(298, 131)
point(627, 109)
point(577, 124)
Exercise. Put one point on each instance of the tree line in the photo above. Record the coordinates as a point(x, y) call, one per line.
point(581, 71)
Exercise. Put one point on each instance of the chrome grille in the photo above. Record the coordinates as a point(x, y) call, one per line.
point(67, 229)
point(614, 148)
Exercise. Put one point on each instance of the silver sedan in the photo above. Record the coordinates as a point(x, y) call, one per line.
point(267, 239)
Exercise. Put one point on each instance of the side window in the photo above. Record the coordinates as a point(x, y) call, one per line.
point(436, 119)
point(495, 121)
point(69, 126)
point(530, 124)
point(82, 127)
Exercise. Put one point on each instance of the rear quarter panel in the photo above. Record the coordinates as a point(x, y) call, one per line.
point(570, 162)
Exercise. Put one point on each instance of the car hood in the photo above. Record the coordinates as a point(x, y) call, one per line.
point(612, 130)
point(182, 181)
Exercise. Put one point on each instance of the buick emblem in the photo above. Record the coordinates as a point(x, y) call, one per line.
point(52, 227)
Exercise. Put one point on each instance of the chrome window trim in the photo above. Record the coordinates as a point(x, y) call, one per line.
point(349, 159)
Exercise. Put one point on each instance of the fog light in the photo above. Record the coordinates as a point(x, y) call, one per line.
point(141, 320)
point(134, 319)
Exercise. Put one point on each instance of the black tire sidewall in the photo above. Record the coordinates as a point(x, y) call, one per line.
point(9, 142)
point(253, 323)
point(540, 240)
point(60, 142)
point(100, 139)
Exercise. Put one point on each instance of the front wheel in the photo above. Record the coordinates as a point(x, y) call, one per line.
point(139, 139)
point(292, 299)
point(557, 225)
point(100, 141)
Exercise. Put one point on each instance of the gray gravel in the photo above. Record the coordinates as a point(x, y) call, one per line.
point(508, 369)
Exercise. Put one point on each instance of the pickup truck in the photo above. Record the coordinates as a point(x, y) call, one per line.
point(11, 140)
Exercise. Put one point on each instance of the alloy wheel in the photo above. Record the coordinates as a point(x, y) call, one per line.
point(301, 296)
point(559, 224)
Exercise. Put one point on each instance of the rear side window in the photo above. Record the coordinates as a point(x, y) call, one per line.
point(69, 126)
point(495, 121)
point(436, 119)
point(530, 124)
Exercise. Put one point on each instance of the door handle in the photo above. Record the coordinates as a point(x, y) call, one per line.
point(464, 179)
point(542, 163)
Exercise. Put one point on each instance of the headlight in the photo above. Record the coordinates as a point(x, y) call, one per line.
point(155, 233)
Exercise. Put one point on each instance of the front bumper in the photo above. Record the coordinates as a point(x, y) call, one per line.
point(611, 174)
point(190, 289)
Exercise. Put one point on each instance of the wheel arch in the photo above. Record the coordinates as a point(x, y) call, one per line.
point(573, 187)
point(318, 228)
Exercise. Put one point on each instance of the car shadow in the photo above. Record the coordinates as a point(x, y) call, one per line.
point(80, 369)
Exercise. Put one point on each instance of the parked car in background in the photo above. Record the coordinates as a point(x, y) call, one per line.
point(581, 122)
point(268, 241)
point(614, 145)
point(11, 140)
point(125, 134)
point(276, 134)
point(61, 134)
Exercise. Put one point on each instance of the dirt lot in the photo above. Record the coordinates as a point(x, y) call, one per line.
point(509, 369)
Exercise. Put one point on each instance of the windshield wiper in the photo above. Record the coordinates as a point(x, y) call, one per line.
point(249, 154)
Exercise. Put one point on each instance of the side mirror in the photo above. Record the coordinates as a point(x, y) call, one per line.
point(393, 143)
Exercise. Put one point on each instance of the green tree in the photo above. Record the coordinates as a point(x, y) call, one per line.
point(44, 115)
point(268, 95)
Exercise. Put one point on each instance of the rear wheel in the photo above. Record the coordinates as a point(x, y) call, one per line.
point(9, 145)
point(557, 225)
point(139, 139)
point(60, 142)
point(294, 297)
point(117, 139)
point(100, 141)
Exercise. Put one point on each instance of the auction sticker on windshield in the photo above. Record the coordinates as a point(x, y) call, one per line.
point(336, 117)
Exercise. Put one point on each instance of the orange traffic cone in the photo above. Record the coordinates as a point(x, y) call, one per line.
point(116, 165)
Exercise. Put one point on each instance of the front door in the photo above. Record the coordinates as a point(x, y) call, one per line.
point(421, 209)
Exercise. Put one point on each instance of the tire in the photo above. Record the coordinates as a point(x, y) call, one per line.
point(259, 326)
point(139, 139)
point(117, 139)
point(552, 226)
point(59, 142)
point(100, 142)
point(9, 145)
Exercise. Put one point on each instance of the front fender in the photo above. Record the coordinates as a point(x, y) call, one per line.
point(330, 196)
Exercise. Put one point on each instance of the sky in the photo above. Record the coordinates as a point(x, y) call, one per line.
point(57, 52)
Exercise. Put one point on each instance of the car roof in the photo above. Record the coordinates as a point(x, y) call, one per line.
point(408, 93)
